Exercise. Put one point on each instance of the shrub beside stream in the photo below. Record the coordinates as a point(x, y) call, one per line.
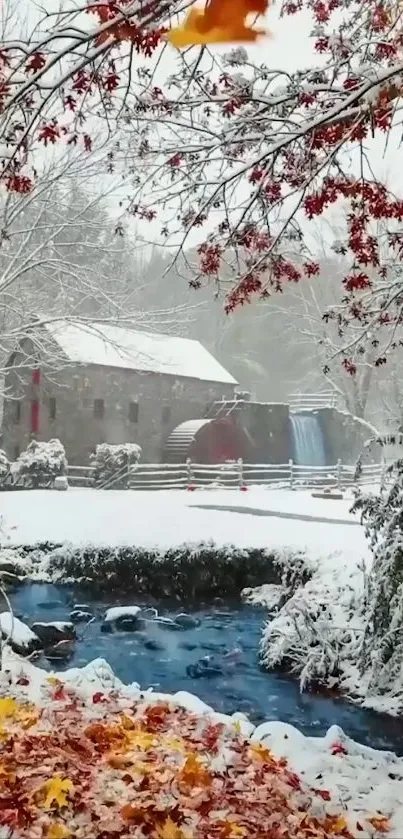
point(186, 571)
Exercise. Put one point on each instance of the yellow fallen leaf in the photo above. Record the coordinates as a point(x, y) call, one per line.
point(127, 722)
point(9, 708)
point(236, 831)
point(5, 774)
point(139, 739)
point(58, 831)
point(169, 830)
point(174, 744)
point(55, 791)
point(339, 825)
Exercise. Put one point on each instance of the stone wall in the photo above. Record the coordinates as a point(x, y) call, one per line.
point(345, 436)
point(67, 398)
point(268, 429)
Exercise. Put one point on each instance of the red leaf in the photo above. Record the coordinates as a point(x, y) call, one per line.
point(293, 780)
point(337, 748)
point(324, 793)
point(99, 697)
point(36, 62)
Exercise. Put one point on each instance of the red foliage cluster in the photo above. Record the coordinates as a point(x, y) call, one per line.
point(22, 100)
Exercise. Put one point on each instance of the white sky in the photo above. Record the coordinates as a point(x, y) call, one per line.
point(290, 48)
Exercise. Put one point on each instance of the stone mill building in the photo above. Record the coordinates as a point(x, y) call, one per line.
point(92, 383)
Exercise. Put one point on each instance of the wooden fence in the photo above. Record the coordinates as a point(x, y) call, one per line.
point(237, 474)
point(313, 401)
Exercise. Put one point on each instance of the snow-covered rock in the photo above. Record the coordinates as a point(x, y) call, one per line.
point(80, 616)
point(53, 632)
point(268, 595)
point(187, 621)
point(19, 635)
point(115, 613)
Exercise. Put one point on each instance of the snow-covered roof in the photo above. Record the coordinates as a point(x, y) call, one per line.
point(113, 346)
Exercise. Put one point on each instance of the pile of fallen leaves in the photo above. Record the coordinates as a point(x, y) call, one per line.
point(115, 767)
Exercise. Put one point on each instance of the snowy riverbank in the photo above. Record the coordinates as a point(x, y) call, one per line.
point(316, 634)
point(331, 786)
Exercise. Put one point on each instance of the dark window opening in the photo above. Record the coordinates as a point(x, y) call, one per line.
point(17, 451)
point(134, 412)
point(99, 408)
point(166, 414)
point(17, 412)
point(52, 408)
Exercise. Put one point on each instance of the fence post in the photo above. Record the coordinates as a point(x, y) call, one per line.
point(382, 475)
point(291, 468)
point(338, 474)
point(189, 472)
point(240, 471)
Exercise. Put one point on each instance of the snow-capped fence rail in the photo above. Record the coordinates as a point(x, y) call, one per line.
point(237, 474)
point(312, 401)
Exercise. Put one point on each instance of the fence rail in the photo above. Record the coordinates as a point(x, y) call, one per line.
point(237, 474)
point(312, 401)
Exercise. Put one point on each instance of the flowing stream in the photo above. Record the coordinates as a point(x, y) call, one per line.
point(165, 659)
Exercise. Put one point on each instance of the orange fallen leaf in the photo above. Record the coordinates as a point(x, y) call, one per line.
point(130, 812)
point(336, 824)
point(380, 823)
point(261, 751)
point(119, 761)
point(193, 773)
point(221, 21)
point(6, 776)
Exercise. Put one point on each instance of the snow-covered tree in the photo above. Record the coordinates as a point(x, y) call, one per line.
point(242, 151)
point(382, 647)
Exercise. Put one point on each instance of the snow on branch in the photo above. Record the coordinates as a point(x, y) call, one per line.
point(241, 153)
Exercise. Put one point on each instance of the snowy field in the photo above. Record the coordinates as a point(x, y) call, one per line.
point(168, 518)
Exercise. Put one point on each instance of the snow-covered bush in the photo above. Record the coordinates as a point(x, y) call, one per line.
point(314, 634)
point(4, 467)
point(112, 464)
point(382, 646)
point(41, 463)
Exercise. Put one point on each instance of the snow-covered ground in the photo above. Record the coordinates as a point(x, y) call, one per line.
point(362, 786)
point(330, 605)
point(362, 781)
point(167, 518)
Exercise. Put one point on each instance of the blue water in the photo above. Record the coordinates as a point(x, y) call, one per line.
point(307, 438)
point(246, 688)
